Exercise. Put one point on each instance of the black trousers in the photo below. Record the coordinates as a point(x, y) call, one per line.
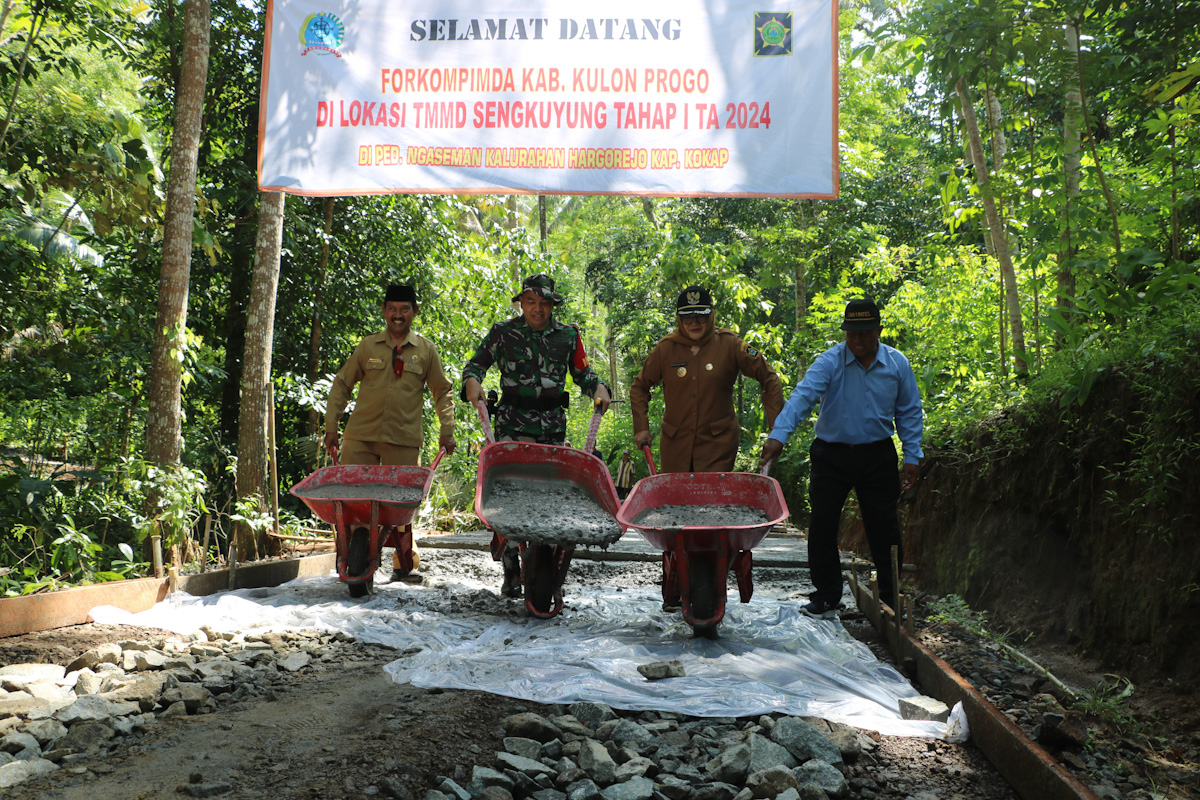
point(872, 471)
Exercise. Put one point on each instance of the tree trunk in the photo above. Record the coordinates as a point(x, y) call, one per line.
point(241, 264)
point(545, 233)
point(995, 127)
point(256, 369)
point(996, 226)
point(801, 311)
point(510, 223)
point(1072, 119)
point(612, 366)
point(163, 418)
point(1087, 124)
point(315, 418)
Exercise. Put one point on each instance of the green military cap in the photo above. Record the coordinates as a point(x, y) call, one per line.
point(541, 285)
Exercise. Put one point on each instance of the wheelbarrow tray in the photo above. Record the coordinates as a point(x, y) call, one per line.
point(543, 462)
point(705, 489)
point(357, 510)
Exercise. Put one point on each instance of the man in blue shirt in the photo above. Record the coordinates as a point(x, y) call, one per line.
point(867, 392)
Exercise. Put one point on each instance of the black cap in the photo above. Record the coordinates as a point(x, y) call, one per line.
point(541, 285)
point(694, 300)
point(397, 293)
point(861, 315)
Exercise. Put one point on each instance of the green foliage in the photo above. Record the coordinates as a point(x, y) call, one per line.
point(953, 610)
point(1109, 701)
point(174, 500)
point(81, 204)
point(61, 529)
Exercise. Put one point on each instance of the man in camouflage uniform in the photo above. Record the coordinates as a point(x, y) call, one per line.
point(534, 352)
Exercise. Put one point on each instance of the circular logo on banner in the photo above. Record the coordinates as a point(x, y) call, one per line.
point(322, 32)
point(773, 33)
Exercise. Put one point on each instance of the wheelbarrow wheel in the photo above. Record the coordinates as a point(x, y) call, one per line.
point(702, 587)
point(360, 552)
point(358, 560)
point(541, 582)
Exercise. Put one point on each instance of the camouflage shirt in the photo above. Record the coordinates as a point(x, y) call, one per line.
point(533, 376)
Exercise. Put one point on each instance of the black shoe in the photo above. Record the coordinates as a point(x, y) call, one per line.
point(671, 606)
point(821, 609)
point(510, 560)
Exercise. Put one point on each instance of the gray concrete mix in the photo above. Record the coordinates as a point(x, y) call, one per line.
point(384, 492)
point(548, 512)
point(728, 516)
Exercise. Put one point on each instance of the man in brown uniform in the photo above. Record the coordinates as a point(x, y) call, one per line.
point(392, 369)
point(698, 366)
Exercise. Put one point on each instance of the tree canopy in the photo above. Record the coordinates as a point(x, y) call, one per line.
point(1018, 191)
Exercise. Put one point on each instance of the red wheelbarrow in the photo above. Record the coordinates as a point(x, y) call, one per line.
point(544, 561)
point(696, 558)
point(370, 506)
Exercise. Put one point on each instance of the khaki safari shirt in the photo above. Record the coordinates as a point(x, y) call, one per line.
point(388, 409)
point(700, 429)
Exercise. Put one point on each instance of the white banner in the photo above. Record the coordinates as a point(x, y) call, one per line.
point(688, 98)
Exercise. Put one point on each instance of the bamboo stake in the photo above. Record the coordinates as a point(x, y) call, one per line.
point(156, 554)
point(894, 600)
point(204, 548)
point(274, 465)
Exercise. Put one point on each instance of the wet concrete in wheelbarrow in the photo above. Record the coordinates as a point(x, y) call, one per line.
point(679, 516)
point(548, 512)
point(383, 492)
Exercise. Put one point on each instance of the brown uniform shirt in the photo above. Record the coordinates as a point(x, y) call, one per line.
point(700, 428)
point(388, 409)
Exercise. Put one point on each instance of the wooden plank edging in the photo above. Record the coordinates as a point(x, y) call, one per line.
point(1025, 764)
point(65, 607)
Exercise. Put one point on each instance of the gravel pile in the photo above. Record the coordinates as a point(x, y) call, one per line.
point(52, 716)
point(594, 753)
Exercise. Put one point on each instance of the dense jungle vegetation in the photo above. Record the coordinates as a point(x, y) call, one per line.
point(1018, 191)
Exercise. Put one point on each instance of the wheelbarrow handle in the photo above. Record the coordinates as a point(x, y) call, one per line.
point(485, 421)
point(333, 453)
point(437, 460)
point(766, 467)
point(649, 459)
point(593, 430)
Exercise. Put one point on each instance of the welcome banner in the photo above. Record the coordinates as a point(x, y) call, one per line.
point(687, 98)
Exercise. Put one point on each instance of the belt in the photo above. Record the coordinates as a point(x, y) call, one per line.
point(850, 446)
point(552, 399)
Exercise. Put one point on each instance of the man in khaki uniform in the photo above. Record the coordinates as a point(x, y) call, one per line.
point(698, 366)
point(391, 369)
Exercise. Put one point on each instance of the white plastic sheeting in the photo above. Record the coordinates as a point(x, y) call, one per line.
point(769, 658)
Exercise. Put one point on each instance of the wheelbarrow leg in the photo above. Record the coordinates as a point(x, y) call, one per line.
point(406, 560)
point(670, 583)
point(743, 563)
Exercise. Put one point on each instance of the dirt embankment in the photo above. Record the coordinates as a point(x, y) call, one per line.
point(1078, 526)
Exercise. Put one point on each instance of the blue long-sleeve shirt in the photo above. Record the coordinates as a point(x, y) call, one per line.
point(858, 405)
